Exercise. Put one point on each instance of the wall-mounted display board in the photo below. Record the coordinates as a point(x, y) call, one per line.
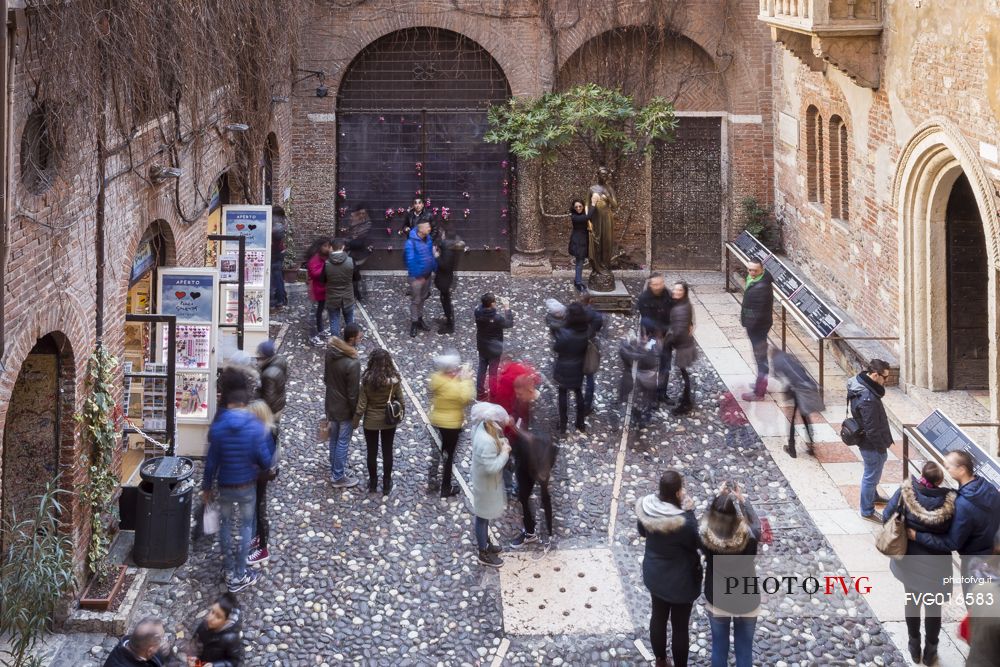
point(254, 224)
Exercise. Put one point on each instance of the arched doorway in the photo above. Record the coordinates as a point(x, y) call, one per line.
point(679, 195)
point(41, 404)
point(968, 291)
point(411, 114)
point(948, 265)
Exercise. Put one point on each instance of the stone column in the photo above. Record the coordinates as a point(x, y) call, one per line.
point(529, 257)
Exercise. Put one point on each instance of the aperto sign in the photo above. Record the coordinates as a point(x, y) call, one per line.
point(250, 224)
point(189, 297)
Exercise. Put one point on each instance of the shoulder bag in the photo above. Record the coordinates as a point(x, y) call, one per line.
point(890, 539)
point(591, 358)
point(850, 429)
point(393, 409)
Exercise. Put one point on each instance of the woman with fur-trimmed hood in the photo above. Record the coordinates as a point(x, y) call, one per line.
point(671, 567)
point(730, 527)
point(928, 508)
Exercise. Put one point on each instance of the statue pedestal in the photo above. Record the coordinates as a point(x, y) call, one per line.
point(524, 265)
point(617, 300)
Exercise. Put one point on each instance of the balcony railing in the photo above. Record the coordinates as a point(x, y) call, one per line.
point(827, 16)
point(842, 33)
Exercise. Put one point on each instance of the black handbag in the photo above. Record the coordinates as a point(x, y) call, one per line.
point(850, 429)
point(393, 409)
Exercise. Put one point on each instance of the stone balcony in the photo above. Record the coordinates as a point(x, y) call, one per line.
point(842, 33)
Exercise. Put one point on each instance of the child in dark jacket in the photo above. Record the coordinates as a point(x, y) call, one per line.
point(217, 641)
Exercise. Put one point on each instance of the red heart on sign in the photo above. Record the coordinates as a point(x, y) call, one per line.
point(180, 295)
point(239, 225)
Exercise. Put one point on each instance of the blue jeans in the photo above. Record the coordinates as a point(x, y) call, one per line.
point(482, 529)
point(279, 297)
point(578, 280)
point(874, 462)
point(743, 629)
point(238, 501)
point(340, 438)
point(758, 341)
point(334, 314)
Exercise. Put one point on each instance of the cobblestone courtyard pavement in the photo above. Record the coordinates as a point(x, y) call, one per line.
point(360, 579)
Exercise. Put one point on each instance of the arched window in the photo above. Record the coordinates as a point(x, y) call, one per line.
point(814, 154)
point(838, 168)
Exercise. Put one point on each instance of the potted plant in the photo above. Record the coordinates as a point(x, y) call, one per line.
point(758, 222)
point(100, 433)
point(35, 573)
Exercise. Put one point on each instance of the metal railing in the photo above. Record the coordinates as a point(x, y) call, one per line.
point(910, 434)
point(782, 307)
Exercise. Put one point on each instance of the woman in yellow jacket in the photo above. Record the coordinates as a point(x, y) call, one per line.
point(451, 390)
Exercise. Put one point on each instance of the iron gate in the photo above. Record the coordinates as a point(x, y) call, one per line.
point(687, 197)
point(410, 121)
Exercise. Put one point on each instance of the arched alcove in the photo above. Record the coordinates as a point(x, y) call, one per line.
point(411, 115)
point(38, 427)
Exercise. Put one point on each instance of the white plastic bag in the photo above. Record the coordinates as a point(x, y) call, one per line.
point(210, 519)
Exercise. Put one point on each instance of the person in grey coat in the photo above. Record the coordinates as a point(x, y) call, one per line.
point(681, 342)
point(806, 396)
point(338, 274)
point(490, 451)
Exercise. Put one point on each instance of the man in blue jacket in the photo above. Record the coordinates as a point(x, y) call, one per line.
point(977, 515)
point(237, 452)
point(420, 264)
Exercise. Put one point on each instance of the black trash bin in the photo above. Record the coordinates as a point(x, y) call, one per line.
point(163, 512)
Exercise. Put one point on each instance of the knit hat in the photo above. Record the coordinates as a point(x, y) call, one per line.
point(448, 361)
point(265, 350)
point(488, 412)
point(555, 308)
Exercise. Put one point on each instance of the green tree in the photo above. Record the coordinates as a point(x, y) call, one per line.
point(606, 122)
point(36, 571)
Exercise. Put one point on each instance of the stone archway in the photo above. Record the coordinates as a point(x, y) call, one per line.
point(38, 430)
point(930, 166)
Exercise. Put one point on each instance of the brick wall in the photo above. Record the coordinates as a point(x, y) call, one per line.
point(723, 41)
point(50, 279)
point(937, 64)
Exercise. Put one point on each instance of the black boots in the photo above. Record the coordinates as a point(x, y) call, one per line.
point(413, 329)
point(422, 326)
point(446, 327)
point(930, 654)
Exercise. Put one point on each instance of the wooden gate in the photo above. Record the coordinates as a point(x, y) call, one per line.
point(687, 197)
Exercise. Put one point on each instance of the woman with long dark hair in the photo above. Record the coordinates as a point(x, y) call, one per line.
point(730, 527)
point(671, 567)
point(380, 384)
point(315, 259)
point(579, 239)
point(681, 342)
point(570, 346)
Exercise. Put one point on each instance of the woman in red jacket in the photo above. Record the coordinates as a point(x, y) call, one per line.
point(315, 260)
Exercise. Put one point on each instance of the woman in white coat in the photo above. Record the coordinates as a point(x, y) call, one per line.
point(490, 451)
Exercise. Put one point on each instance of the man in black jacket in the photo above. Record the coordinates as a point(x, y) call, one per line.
point(273, 378)
point(864, 397)
point(654, 304)
point(448, 252)
point(143, 648)
point(415, 215)
point(756, 316)
point(490, 324)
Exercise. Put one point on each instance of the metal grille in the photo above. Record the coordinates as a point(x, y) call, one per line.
point(411, 117)
point(687, 197)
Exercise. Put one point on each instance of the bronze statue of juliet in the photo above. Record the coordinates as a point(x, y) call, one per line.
point(601, 247)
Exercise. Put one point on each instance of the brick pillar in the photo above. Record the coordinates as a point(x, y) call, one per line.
point(529, 257)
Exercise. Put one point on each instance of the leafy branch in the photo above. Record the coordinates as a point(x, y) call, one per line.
point(99, 430)
point(607, 122)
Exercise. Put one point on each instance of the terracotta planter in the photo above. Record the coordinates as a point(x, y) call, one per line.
point(100, 600)
point(291, 275)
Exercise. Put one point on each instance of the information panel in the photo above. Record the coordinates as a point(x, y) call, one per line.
point(751, 247)
point(785, 281)
point(819, 315)
point(944, 436)
point(253, 222)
